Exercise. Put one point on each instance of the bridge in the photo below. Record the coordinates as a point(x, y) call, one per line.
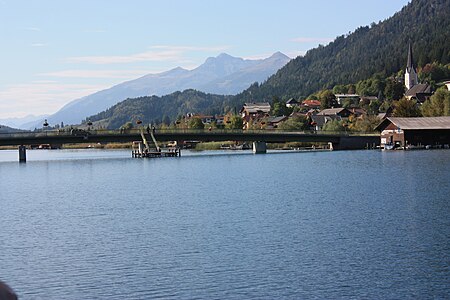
point(339, 140)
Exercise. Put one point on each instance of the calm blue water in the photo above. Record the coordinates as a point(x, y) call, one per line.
point(100, 225)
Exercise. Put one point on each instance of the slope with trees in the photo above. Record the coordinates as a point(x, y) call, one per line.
point(378, 48)
point(165, 109)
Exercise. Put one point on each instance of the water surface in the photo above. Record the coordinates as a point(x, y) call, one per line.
point(90, 224)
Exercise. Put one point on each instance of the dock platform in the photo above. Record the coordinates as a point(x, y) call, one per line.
point(155, 154)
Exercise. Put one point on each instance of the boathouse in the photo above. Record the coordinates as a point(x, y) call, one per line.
point(415, 132)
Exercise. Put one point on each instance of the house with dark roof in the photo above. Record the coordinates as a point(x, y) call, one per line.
point(419, 92)
point(387, 113)
point(292, 103)
point(318, 121)
point(340, 111)
point(273, 122)
point(408, 133)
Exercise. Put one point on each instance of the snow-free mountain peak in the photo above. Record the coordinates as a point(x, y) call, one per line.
point(223, 74)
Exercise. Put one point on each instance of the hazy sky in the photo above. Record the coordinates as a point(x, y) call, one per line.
point(54, 51)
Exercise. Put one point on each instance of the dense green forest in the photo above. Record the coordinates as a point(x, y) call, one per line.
point(368, 61)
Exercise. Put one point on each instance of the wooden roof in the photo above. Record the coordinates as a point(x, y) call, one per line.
point(310, 102)
point(277, 119)
point(256, 107)
point(418, 88)
point(291, 101)
point(416, 123)
point(332, 111)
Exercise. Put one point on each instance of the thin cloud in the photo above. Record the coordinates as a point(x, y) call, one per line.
point(156, 54)
point(38, 45)
point(311, 40)
point(294, 54)
point(113, 74)
point(139, 57)
point(192, 48)
point(32, 29)
point(266, 55)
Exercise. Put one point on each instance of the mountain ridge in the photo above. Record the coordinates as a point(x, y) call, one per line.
point(177, 79)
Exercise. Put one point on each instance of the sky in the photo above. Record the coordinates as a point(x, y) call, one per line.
point(55, 51)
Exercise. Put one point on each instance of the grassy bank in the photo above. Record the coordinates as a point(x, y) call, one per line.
point(213, 145)
point(97, 146)
point(295, 145)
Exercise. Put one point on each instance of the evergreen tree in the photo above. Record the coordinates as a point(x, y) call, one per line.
point(236, 122)
point(299, 122)
point(406, 108)
point(196, 123)
point(327, 99)
point(394, 89)
point(438, 104)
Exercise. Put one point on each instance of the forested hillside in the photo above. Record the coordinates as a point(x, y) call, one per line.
point(378, 48)
point(154, 109)
point(6, 129)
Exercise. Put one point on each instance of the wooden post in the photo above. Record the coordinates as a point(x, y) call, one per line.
point(22, 153)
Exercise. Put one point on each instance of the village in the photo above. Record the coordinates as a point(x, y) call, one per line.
point(400, 127)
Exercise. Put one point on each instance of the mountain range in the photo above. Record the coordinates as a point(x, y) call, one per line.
point(223, 74)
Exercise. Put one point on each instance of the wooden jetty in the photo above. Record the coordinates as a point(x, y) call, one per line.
point(146, 153)
point(141, 149)
point(175, 152)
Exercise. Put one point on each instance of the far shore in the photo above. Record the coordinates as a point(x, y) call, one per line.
point(200, 146)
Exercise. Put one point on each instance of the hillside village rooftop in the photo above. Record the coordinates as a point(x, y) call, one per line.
point(253, 108)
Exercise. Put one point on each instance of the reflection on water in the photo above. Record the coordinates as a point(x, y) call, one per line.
point(98, 224)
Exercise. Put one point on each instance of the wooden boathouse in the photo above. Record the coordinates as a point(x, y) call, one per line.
point(410, 133)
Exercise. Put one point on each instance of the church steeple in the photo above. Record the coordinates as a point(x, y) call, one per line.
point(410, 63)
point(410, 74)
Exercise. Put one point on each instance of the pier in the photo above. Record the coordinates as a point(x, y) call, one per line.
point(155, 154)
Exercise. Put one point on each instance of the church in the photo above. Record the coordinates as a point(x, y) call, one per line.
point(414, 89)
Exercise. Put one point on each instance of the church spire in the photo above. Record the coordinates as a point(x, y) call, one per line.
point(411, 78)
point(410, 63)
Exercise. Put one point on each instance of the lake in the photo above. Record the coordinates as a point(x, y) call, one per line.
point(97, 224)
